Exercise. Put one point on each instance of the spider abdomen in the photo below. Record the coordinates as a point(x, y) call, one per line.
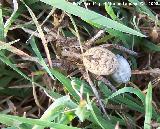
point(100, 61)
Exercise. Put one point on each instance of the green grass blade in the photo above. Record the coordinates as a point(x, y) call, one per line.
point(63, 79)
point(122, 36)
point(41, 60)
point(30, 2)
point(66, 83)
point(91, 16)
point(121, 99)
point(55, 109)
point(150, 46)
point(10, 128)
point(110, 11)
point(4, 45)
point(17, 121)
point(89, 105)
point(99, 119)
point(15, 92)
point(1, 26)
point(148, 107)
point(129, 90)
point(10, 20)
point(5, 60)
point(4, 81)
point(86, 87)
point(143, 8)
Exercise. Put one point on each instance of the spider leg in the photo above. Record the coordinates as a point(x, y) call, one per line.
point(105, 81)
point(121, 48)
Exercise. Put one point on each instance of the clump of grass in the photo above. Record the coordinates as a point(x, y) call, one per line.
point(41, 89)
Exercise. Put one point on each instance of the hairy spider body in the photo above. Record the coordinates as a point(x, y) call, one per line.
point(100, 61)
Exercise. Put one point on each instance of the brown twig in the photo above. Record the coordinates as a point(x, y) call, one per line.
point(18, 52)
point(150, 71)
point(35, 95)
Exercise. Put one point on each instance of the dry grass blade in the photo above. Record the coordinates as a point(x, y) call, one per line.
point(35, 96)
point(16, 51)
point(35, 33)
point(4, 45)
point(42, 36)
point(150, 71)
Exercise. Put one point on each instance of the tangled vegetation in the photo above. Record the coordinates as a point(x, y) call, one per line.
point(79, 64)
